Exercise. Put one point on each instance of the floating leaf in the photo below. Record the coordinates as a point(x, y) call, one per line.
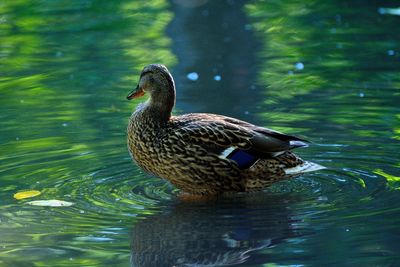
point(26, 194)
point(50, 203)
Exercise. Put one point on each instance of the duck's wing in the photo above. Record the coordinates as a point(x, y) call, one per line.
point(222, 133)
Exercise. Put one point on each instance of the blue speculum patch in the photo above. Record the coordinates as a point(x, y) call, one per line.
point(242, 158)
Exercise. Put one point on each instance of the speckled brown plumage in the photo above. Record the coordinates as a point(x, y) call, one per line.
point(188, 150)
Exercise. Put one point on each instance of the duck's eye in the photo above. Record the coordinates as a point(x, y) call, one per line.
point(151, 79)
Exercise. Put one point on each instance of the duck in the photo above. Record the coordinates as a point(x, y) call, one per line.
point(204, 153)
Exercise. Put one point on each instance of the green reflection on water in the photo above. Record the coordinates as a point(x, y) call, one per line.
point(63, 69)
point(66, 68)
point(344, 59)
point(344, 96)
point(393, 181)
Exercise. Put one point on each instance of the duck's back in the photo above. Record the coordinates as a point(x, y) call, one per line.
point(198, 159)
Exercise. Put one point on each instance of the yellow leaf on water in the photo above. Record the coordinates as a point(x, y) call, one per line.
point(50, 203)
point(26, 194)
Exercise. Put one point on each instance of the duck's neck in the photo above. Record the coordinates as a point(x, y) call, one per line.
point(159, 106)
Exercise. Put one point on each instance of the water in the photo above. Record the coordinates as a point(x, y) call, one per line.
point(324, 70)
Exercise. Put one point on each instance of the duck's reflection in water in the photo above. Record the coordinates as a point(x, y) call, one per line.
point(222, 232)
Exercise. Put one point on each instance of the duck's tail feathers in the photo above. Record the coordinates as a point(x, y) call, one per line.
point(297, 143)
point(307, 166)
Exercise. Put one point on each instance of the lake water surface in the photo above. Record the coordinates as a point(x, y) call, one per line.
point(328, 71)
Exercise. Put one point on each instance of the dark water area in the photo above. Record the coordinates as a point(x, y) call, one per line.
point(328, 71)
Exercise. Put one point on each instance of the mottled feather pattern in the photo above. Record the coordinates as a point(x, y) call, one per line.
point(174, 152)
point(207, 129)
point(187, 165)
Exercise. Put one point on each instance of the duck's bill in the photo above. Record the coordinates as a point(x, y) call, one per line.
point(135, 93)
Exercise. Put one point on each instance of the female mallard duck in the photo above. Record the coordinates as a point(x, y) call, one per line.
point(204, 153)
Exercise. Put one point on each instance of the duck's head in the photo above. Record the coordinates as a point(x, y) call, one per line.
point(156, 80)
